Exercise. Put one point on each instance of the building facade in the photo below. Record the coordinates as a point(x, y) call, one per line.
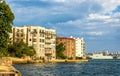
point(69, 44)
point(43, 40)
point(80, 47)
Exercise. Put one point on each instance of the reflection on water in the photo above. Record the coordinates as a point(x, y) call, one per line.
point(92, 68)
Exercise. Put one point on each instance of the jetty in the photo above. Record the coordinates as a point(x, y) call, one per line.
point(6, 68)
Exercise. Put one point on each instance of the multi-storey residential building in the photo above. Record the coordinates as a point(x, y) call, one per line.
point(69, 44)
point(42, 39)
point(80, 47)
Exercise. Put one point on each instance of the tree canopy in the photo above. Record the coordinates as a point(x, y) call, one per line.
point(6, 21)
point(20, 49)
point(60, 51)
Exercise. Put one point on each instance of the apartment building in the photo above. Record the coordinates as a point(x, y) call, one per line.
point(80, 47)
point(69, 44)
point(42, 39)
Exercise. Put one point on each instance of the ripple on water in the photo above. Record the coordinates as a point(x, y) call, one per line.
point(92, 68)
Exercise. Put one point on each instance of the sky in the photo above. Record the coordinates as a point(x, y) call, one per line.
point(97, 21)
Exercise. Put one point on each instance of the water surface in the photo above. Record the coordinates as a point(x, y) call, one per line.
point(92, 68)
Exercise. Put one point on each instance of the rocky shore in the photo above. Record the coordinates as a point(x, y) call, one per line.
point(28, 60)
point(6, 68)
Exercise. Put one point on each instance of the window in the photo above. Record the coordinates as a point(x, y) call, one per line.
point(42, 40)
point(21, 30)
point(17, 40)
point(34, 40)
point(34, 30)
point(40, 31)
point(22, 40)
point(22, 34)
point(17, 34)
point(17, 30)
point(34, 35)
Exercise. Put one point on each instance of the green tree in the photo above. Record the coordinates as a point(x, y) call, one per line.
point(6, 20)
point(19, 49)
point(59, 51)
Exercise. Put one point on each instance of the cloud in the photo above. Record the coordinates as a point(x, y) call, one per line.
point(109, 5)
point(95, 33)
point(96, 20)
point(59, 0)
point(97, 16)
point(73, 9)
point(65, 1)
point(69, 14)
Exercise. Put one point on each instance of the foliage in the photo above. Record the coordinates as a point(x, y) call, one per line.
point(79, 58)
point(69, 58)
point(88, 58)
point(19, 49)
point(6, 20)
point(59, 51)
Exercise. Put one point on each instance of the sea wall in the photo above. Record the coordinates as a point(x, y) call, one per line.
point(82, 60)
point(28, 60)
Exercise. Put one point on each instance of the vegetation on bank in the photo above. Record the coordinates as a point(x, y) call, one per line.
point(16, 49)
point(20, 49)
point(60, 51)
point(6, 20)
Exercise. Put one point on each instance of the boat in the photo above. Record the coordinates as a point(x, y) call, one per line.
point(100, 56)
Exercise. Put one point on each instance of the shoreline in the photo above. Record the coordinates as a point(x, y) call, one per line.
point(27, 61)
point(69, 61)
point(50, 61)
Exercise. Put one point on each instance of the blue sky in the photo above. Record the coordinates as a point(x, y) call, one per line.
point(97, 21)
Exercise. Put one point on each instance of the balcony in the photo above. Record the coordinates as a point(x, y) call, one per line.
point(48, 41)
point(47, 46)
point(48, 52)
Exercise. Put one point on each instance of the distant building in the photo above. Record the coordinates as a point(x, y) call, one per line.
point(69, 44)
point(42, 39)
point(105, 52)
point(80, 47)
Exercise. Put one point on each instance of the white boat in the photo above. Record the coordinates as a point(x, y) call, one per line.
point(100, 56)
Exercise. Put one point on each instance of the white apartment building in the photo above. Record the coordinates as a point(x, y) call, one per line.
point(80, 47)
point(42, 39)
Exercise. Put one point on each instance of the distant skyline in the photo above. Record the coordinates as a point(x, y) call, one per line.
point(97, 21)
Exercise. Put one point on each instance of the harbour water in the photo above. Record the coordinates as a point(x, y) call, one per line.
point(91, 68)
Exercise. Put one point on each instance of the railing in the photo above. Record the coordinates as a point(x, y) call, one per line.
point(48, 52)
